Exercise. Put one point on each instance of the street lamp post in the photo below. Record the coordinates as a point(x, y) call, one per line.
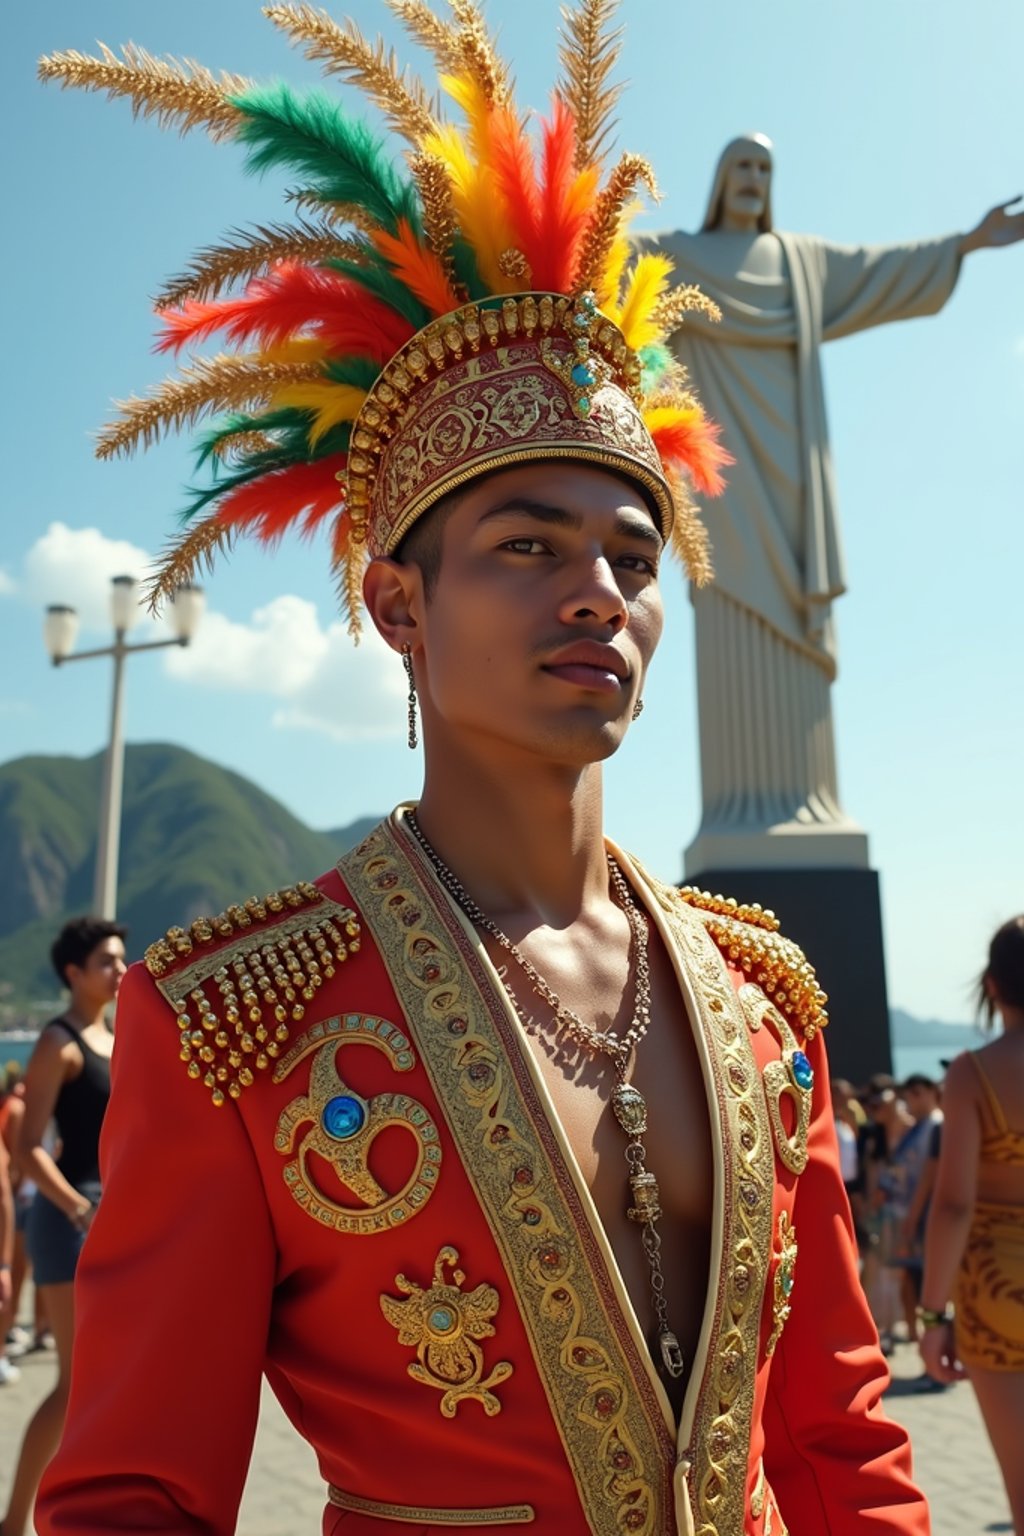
point(61, 628)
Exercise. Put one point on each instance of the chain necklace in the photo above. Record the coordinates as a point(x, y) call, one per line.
point(628, 1103)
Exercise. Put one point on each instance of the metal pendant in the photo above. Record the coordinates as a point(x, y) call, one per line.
point(630, 1109)
point(671, 1352)
point(647, 1196)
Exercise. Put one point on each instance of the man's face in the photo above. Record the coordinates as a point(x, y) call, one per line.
point(545, 615)
point(96, 982)
point(920, 1100)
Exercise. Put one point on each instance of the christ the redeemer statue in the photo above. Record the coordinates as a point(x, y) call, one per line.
point(766, 650)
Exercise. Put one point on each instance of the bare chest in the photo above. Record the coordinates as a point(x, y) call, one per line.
point(666, 1070)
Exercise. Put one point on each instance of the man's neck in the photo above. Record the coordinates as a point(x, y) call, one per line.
point(525, 841)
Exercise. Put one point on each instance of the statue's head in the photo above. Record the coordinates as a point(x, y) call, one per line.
point(741, 193)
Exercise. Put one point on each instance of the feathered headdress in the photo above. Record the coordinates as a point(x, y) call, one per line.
point(411, 327)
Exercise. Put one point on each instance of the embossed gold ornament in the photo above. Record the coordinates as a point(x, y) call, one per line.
point(443, 1323)
point(342, 1126)
point(790, 1078)
point(783, 1287)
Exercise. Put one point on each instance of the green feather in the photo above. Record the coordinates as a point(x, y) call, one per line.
point(466, 273)
point(345, 161)
point(202, 499)
point(361, 372)
point(655, 360)
point(379, 280)
point(239, 421)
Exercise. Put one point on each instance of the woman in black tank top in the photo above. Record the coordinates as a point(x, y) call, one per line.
point(68, 1081)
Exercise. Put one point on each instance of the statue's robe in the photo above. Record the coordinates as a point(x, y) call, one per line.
point(455, 1340)
point(764, 630)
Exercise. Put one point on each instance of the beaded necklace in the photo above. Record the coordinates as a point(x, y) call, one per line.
point(628, 1103)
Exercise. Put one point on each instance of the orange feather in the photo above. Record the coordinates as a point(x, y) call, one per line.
point(418, 267)
point(683, 435)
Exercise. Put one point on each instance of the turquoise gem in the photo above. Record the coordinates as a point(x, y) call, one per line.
point(441, 1320)
point(582, 375)
point(583, 405)
point(786, 1282)
point(342, 1117)
point(803, 1072)
point(581, 320)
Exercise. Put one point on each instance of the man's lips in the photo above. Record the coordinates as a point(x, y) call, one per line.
point(590, 665)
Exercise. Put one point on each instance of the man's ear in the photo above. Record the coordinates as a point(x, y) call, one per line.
point(393, 594)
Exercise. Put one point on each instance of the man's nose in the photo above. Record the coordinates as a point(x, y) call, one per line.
point(596, 596)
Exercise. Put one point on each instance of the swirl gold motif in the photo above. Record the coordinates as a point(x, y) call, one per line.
point(342, 1127)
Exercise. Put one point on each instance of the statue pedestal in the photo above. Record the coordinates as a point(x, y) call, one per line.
point(835, 915)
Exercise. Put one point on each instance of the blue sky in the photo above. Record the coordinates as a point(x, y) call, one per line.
point(892, 120)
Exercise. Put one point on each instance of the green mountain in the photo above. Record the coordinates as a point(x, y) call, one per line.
point(194, 837)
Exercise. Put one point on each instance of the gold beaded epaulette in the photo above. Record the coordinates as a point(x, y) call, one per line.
point(748, 937)
point(265, 960)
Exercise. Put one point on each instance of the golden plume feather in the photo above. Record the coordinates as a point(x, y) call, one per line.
point(478, 55)
point(223, 382)
point(611, 206)
point(348, 584)
point(246, 441)
point(588, 54)
point(179, 94)
point(431, 32)
point(344, 51)
point(689, 535)
point(685, 297)
point(303, 199)
point(439, 224)
point(183, 559)
point(247, 253)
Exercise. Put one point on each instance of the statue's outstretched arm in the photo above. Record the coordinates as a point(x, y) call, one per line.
point(998, 227)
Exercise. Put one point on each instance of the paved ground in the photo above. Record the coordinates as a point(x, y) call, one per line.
point(284, 1497)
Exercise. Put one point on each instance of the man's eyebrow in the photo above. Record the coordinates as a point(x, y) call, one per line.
point(561, 517)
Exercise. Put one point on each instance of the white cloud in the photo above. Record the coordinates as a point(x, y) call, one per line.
point(75, 566)
point(313, 676)
point(320, 680)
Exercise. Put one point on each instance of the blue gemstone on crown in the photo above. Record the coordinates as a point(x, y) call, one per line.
point(441, 1320)
point(343, 1116)
point(583, 376)
point(802, 1071)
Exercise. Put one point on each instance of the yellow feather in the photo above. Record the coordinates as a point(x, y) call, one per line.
point(644, 287)
point(479, 208)
point(300, 349)
point(332, 403)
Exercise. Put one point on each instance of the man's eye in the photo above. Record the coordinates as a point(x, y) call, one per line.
point(641, 563)
point(524, 546)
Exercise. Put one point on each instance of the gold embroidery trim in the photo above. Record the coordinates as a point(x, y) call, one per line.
point(720, 1438)
point(785, 1266)
point(620, 1453)
point(443, 1324)
point(780, 1079)
point(264, 977)
point(748, 936)
point(419, 1514)
point(341, 1127)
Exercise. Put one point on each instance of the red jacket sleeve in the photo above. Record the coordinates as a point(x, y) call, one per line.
point(837, 1465)
point(172, 1298)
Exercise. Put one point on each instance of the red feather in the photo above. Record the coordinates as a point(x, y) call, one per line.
point(288, 299)
point(269, 506)
point(566, 204)
point(419, 268)
point(516, 177)
point(693, 444)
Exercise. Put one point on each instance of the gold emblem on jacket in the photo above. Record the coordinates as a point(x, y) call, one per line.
point(343, 1125)
point(443, 1323)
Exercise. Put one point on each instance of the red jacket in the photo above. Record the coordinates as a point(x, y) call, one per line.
point(382, 1217)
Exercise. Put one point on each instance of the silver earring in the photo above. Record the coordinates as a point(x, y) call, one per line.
point(407, 664)
point(638, 709)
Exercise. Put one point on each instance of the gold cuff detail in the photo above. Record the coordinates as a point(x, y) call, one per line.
point(504, 1514)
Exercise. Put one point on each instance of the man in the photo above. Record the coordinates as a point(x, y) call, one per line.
point(490, 1150)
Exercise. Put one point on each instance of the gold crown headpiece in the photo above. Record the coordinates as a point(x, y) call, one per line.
point(409, 330)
